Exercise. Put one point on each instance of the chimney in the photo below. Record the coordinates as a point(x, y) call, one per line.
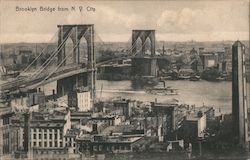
point(26, 132)
point(94, 130)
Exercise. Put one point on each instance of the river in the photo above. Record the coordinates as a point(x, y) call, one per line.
point(215, 94)
point(198, 93)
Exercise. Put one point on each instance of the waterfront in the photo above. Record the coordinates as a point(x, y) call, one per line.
point(216, 94)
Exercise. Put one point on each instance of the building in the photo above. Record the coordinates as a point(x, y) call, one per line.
point(209, 60)
point(83, 101)
point(70, 138)
point(239, 91)
point(199, 122)
point(174, 116)
point(8, 134)
point(208, 111)
point(123, 106)
point(80, 99)
point(109, 120)
point(194, 126)
point(43, 135)
point(99, 144)
point(27, 100)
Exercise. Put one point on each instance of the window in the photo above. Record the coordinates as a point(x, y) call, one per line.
point(45, 144)
point(60, 144)
point(40, 144)
point(34, 144)
point(55, 144)
point(50, 144)
point(122, 147)
point(45, 136)
point(50, 136)
point(55, 136)
point(34, 136)
point(100, 148)
point(40, 136)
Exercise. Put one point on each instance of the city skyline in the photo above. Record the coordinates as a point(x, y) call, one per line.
point(173, 21)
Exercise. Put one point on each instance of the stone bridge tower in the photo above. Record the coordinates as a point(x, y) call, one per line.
point(144, 65)
point(143, 35)
point(76, 33)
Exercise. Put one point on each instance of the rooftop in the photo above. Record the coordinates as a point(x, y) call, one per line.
point(238, 43)
point(118, 129)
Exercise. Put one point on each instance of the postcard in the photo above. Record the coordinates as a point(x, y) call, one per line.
point(122, 79)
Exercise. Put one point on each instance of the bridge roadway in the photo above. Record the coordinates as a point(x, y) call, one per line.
point(63, 72)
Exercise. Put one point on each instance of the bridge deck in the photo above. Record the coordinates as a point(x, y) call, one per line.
point(38, 81)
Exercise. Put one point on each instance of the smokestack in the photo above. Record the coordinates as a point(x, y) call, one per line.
point(94, 130)
point(54, 96)
point(145, 126)
point(26, 132)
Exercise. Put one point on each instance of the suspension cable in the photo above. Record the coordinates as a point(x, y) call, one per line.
point(69, 55)
point(42, 52)
point(53, 55)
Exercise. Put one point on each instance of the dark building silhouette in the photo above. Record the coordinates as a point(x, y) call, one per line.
point(239, 105)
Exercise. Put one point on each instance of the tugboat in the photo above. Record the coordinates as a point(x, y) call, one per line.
point(194, 78)
point(162, 90)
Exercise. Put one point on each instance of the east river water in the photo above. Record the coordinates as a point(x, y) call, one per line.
point(198, 93)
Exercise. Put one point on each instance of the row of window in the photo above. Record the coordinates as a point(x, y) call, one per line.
point(50, 159)
point(47, 144)
point(45, 130)
point(45, 136)
point(50, 152)
point(70, 144)
point(109, 148)
point(6, 120)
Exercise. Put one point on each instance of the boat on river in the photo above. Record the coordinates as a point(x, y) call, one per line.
point(194, 78)
point(162, 90)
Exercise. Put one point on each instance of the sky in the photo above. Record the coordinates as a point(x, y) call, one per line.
point(198, 20)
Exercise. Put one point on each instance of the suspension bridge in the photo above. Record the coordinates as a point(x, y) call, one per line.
point(81, 72)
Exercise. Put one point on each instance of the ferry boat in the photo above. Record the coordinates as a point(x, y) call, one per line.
point(162, 90)
point(194, 78)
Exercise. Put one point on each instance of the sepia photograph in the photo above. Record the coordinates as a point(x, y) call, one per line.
point(124, 80)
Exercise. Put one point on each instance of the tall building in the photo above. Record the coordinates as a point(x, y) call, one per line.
point(8, 133)
point(239, 89)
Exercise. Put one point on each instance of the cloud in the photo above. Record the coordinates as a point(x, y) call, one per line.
point(114, 21)
point(184, 20)
point(29, 38)
point(107, 19)
point(203, 36)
